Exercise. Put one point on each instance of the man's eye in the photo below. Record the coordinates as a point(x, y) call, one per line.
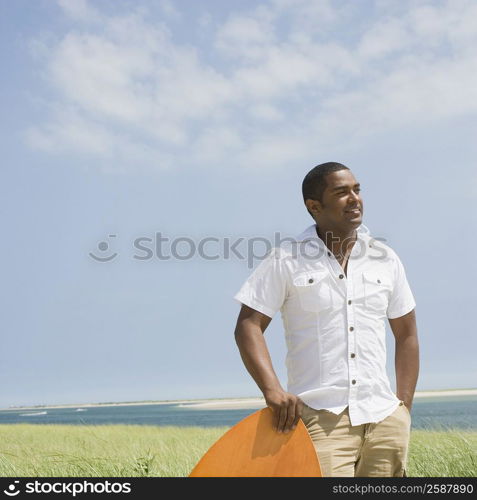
point(342, 193)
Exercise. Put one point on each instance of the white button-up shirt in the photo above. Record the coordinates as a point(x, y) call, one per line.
point(334, 322)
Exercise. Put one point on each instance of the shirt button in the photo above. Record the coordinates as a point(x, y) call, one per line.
point(349, 302)
point(379, 281)
point(310, 280)
point(329, 254)
point(353, 382)
point(341, 276)
point(353, 355)
point(351, 328)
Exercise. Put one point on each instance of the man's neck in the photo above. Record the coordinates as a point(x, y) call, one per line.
point(338, 242)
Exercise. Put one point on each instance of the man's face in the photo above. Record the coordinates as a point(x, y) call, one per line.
point(342, 206)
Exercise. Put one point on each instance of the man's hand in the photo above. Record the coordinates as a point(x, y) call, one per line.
point(286, 408)
point(407, 356)
point(408, 405)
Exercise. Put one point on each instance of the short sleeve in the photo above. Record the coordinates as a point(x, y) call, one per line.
point(266, 288)
point(402, 300)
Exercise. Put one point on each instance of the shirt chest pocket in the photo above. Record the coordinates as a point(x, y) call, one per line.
point(313, 289)
point(377, 288)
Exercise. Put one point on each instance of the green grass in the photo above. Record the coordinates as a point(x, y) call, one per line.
point(149, 451)
point(451, 453)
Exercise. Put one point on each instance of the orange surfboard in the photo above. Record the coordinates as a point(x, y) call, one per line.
point(253, 448)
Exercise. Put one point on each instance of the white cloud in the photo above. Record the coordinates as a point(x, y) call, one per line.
point(273, 150)
point(273, 84)
point(69, 131)
point(216, 143)
point(315, 16)
point(101, 76)
point(267, 112)
point(169, 9)
point(454, 23)
point(384, 39)
point(80, 10)
point(246, 37)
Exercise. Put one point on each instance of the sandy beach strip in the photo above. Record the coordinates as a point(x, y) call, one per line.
point(226, 404)
point(101, 405)
point(260, 402)
point(438, 394)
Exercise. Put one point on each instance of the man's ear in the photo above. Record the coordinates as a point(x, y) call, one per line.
point(314, 206)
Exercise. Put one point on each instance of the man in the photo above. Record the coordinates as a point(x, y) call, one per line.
point(335, 286)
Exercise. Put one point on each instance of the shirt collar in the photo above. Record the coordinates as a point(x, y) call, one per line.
point(310, 234)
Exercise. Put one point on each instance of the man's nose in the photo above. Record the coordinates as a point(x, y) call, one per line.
point(354, 196)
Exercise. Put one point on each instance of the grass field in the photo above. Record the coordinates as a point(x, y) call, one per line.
point(130, 451)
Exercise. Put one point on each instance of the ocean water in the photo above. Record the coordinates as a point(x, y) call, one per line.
point(427, 413)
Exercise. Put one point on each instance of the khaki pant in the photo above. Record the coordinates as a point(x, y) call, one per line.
point(367, 450)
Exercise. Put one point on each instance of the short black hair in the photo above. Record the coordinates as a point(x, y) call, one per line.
point(314, 183)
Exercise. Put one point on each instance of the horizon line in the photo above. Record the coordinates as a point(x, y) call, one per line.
point(165, 401)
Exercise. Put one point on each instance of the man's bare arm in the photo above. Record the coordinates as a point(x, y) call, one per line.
point(406, 356)
point(286, 407)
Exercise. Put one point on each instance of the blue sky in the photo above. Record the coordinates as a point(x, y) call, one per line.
point(199, 119)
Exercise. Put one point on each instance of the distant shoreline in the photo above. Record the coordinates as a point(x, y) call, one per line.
point(226, 403)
